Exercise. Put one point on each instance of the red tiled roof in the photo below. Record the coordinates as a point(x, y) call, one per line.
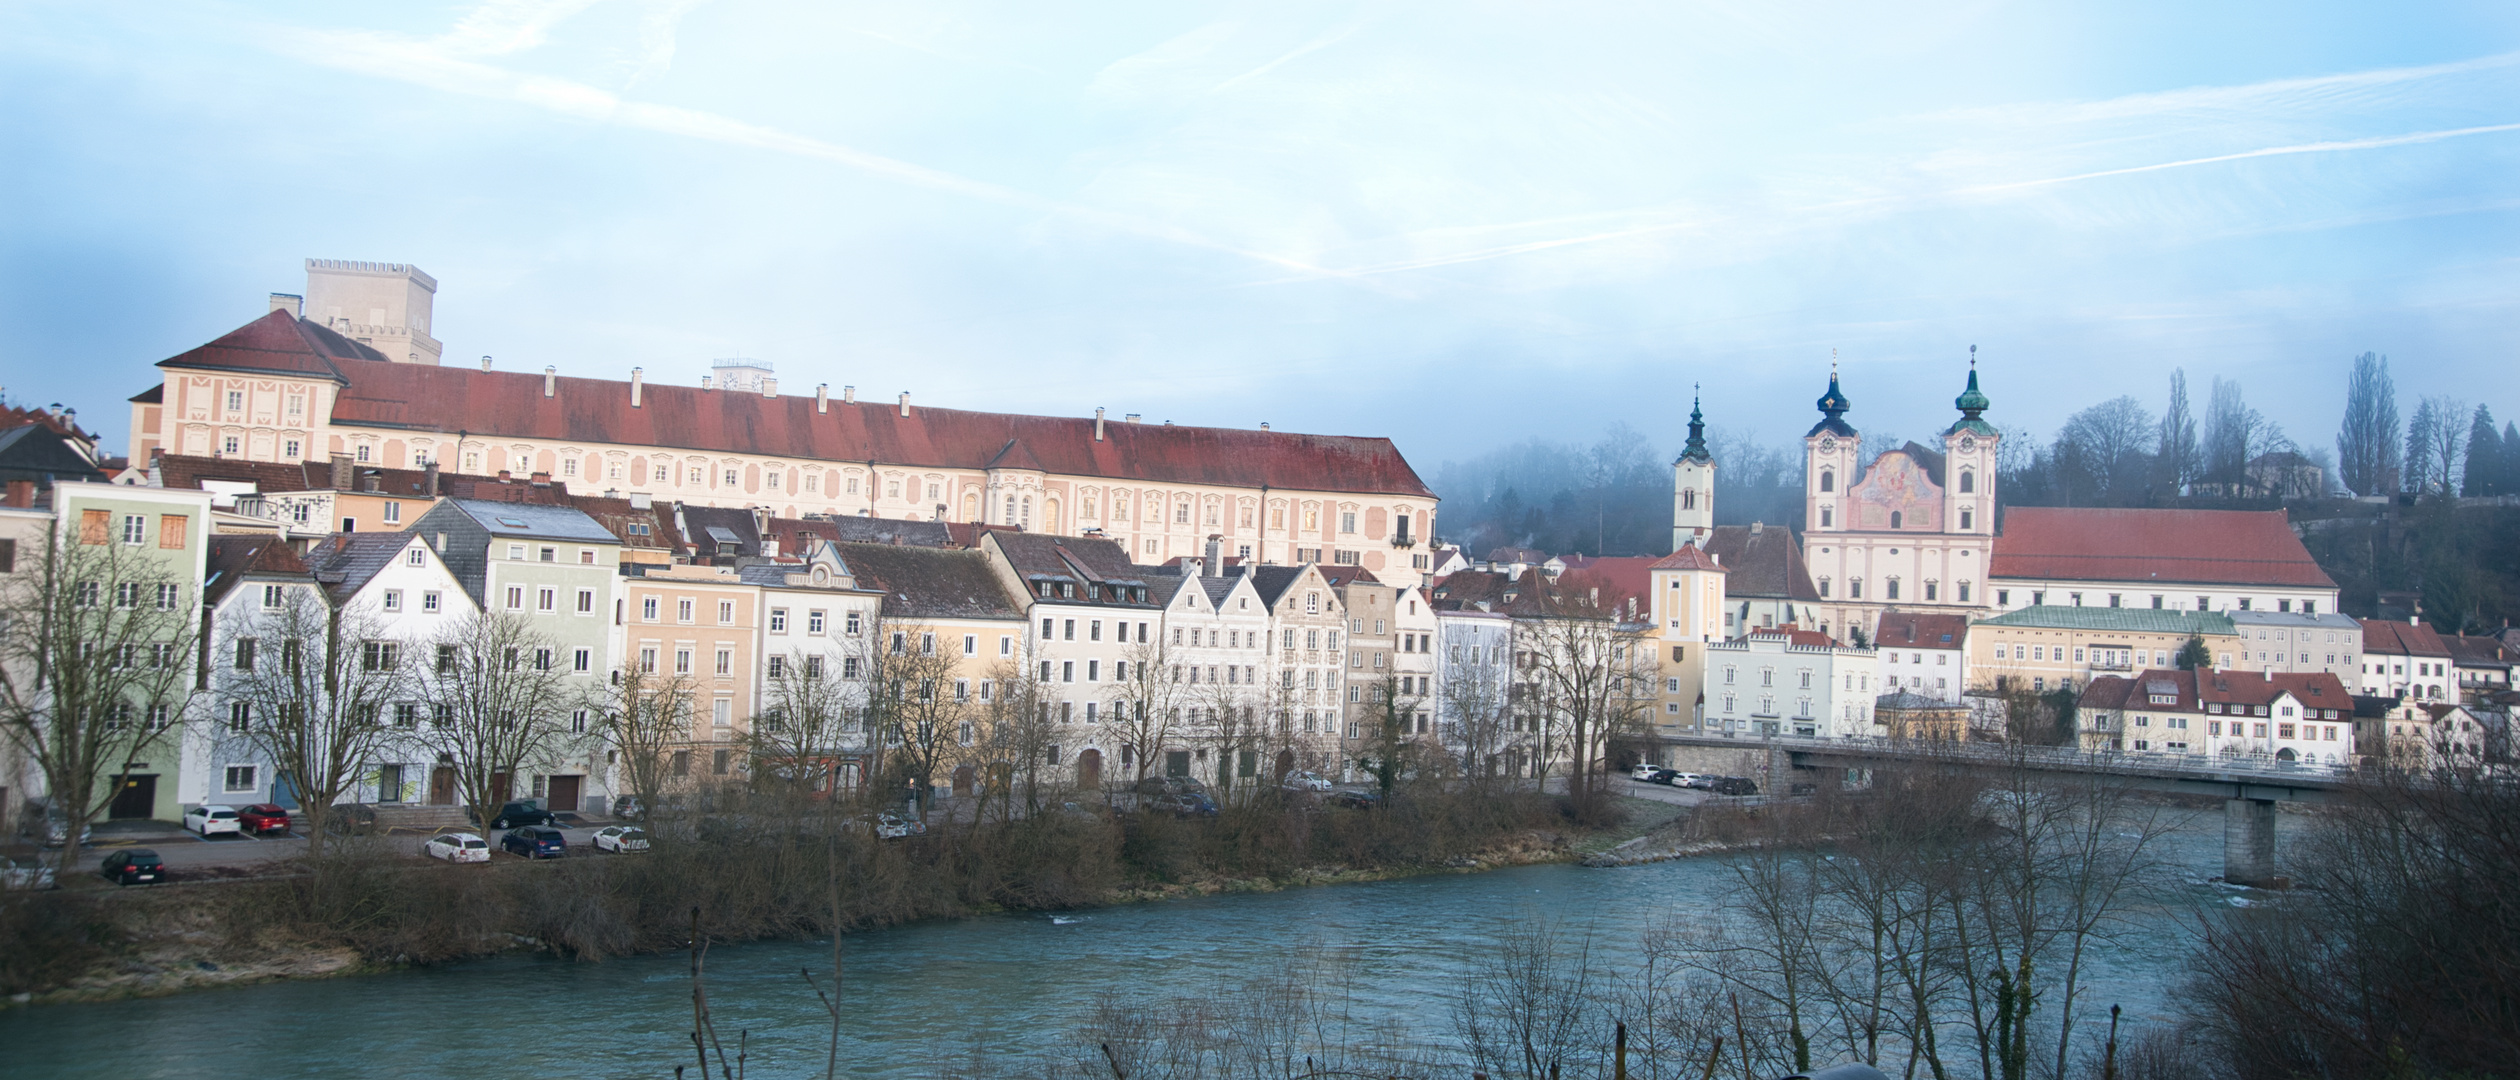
point(2199, 547)
point(2401, 639)
point(278, 342)
point(1620, 578)
point(2317, 689)
point(1687, 558)
point(1920, 629)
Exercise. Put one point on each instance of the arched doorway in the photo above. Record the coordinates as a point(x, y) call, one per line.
point(2287, 754)
point(1089, 769)
point(1285, 765)
point(963, 776)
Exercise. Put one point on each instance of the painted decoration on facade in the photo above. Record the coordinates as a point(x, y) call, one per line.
point(1896, 494)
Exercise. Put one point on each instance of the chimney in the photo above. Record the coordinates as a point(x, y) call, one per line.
point(1755, 528)
point(1132, 418)
point(541, 479)
point(485, 363)
point(341, 472)
point(551, 380)
point(21, 494)
point(1264, 425)
point(1215, 555)
point(288, 302)
point(429, 478)
point(503, 476)
point(905, 403)
point(848, 395)
point(1098, 424)
point(770, 388)
point(705, 381)
point(822, 397)
point(638, 384)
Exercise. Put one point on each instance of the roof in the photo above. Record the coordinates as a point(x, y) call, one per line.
point(451, 399)
point(2478, 652)
point(1763, 563)
point(2323, 621)
point(2165, 547)
point(1085, 560)
point(279, 343)
point(1908, 700)
point(2106, 692)
point(2317, 689)
point(864, 530)
point(1620, 578)
point(2401, 638)
point(930, 583)
point(534, 521)
point(2121, 620)
point(1342, 576)
point(41, 451)
point(721, 530)
point(1921, 630)
point(234, 557)
point(1689, 557)
point(346, 562)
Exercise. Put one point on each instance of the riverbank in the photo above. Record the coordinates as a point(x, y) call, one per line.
point(361, 914)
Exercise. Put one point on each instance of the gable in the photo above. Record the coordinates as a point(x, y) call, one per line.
point(1896, 484)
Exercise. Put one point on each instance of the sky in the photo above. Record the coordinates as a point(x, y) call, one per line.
point(1457, 224)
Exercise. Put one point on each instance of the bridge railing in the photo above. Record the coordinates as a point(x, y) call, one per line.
point(2067, 757)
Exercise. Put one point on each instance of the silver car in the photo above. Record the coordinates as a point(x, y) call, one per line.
point(19, 873)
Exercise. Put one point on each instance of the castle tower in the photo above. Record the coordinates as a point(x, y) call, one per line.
point(1969, 472)
point(1832, 451)
point(383, 305)
point(1693, 487)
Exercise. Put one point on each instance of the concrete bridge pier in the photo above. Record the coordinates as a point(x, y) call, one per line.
point(2249, 844)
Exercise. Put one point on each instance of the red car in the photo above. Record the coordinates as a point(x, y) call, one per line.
point(263, 817)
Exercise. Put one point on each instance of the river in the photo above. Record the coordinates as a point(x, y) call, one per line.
point(922, 993)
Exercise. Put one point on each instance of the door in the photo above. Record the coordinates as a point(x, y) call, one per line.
point(284, 791)
point(564, 794)
point(389, 784)
point(1176, 763)
point(1089, 769)
point(963, 778)
point(502, 788)
point(136, 799)
point(442, 786)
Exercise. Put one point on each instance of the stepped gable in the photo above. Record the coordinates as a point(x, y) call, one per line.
point(2167, 547)
point(1763, 563)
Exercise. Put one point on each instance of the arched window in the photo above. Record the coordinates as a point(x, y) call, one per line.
point(1824, 588)
point(1688, 499)
point(1894, 519)
point(1010, 511)
point(1828, 480)
point(1890, 589)
point(1824, 517)
point(1854, 588)
point(1968, 481)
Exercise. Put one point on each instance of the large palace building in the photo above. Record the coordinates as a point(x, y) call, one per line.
point(350, 370)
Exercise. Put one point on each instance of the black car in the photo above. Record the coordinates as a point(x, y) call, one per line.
point(1183, 804)
point(523, 813)
point(535, 842)
point(133, 866)
point(1665, 777)
point(1732, 785)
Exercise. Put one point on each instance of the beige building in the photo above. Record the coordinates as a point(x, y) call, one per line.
point(2048, 647)
point(286, 388)
point(697, 626)
point(1688, 607)
point(1912, 529)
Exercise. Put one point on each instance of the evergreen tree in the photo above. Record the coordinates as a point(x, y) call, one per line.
point(2367, 443)
point(2511, 458)
point(2177, 459)
point(2485, 466)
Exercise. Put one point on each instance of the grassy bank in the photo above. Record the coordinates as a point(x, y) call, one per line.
point(756, 871)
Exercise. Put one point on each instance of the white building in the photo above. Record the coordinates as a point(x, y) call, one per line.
point(1789, 682)
point(1924, 653)
point(2299, 643)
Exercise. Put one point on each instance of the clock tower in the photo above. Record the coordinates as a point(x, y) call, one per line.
point(1831, 453)
point(1969, 464)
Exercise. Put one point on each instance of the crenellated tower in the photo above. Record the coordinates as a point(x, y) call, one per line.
point(1693, 486)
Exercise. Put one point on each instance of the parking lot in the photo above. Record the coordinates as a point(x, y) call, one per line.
point(228, 856)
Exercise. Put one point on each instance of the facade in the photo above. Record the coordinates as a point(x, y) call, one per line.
point(163, 533)
point(1688, 608)
point(254, 586)
point(1213, 647)
point(1789, 682)
point(2292, 642)
point(2163, 560)
point(396, 588)
point(1087, 606)
point(699, 630)
point(2050, 647)
point(1925, 654)
point(2305, 718)
point(1906, 715)
point(1306, 667)
point(1912, 529)
point(1383, 644)
point(2482, 664)
point(385, 306)
point(1473, 681)
point(285, 389)
point(2405, 659)
point(952, 603)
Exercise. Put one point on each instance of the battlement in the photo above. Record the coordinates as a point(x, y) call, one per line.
point(380, 269)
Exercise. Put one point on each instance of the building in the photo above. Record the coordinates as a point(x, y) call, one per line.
point(262, 604)
point(1304, 674)
point(1912, 529)
point(2156, 711)
point(1473, 683)
point(696, 632)
point(2291, 642)
point(1211, 653)
point(395, 588)
point(385, 306)
point(286, 388)
point(1693, 486)
point(2395, 732)
point(1789, 682)
point(2405, 659)
point(1689, 608)
point(2049, 647)
point(1087, 604)
point(2482, 664)
point(2306, 718)
point(1909, 715)
point(2162, 560)
point(950, 605)
point(1924, 653)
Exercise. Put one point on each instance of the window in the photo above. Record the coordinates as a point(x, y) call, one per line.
point(726, 612)
point(682, 609)
point(240, 778)
point(393, 599)
point(582, 661)
point(778, 620)
point(848, 624)
point(726, 661)
point(1828, 480)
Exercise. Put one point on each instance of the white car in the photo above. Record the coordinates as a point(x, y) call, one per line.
point(621, 838)
point(1644, 770)
point(457, 847)
point(213, 819)
point(1304, 781)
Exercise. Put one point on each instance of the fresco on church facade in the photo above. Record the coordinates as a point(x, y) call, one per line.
point(1897, 485)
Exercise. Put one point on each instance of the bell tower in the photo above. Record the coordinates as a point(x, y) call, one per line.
point(1831, 452)
point(1969, 469)
point(1693, 487)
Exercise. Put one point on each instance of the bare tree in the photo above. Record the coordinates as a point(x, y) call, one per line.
point(1391, 750)
point(1016, 731)
point(2367, 442)
point(912, 713)
point(1473, 698)
point(1530, 1010)
point(1146, 700)
point(494, 709)
point(2436, 443)
point(1583, 680)
point(646, 723)
point(2100, 452)
point(313, 681)
point(1231, 727)
point(96, 668)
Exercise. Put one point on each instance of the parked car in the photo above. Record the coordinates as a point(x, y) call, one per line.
point(1167, 785)
point(1645, 771)
point(1304, 781)
point(50, 829)
point(1659, 776)
point(1701, 782)
point(1678, 779)
point(1356, 800)
point(1733, 785)
point(527, 812)
point(891, 826)
point(350, 819)
point(264, 817)
point(621, 838)
point(19, 873)
point(457, 847)
point(1183, 804)
point(133, 866)
point(213, 819)
point(628, 806)
point(535, 842)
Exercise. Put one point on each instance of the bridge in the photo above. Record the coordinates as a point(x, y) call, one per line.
point(2249, 787)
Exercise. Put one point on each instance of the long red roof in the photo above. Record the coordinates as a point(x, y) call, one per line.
point(2171, 547)
point(425, 397)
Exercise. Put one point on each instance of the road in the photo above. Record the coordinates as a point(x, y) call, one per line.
point(235, 856)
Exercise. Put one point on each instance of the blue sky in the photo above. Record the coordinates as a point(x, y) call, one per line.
point(1458, 224)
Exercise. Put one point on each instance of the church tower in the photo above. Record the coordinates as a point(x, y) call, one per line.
point(1693, 487)
point(1969, 466)
point(1832, 451)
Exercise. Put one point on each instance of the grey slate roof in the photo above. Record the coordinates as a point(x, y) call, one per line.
point(922, 582)
point(534, 522)
point(346, 562)
point(1767, 563)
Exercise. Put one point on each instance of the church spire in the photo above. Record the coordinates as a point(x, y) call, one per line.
point(1833, 406)
point(1696, 450)
point(1972, 404)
